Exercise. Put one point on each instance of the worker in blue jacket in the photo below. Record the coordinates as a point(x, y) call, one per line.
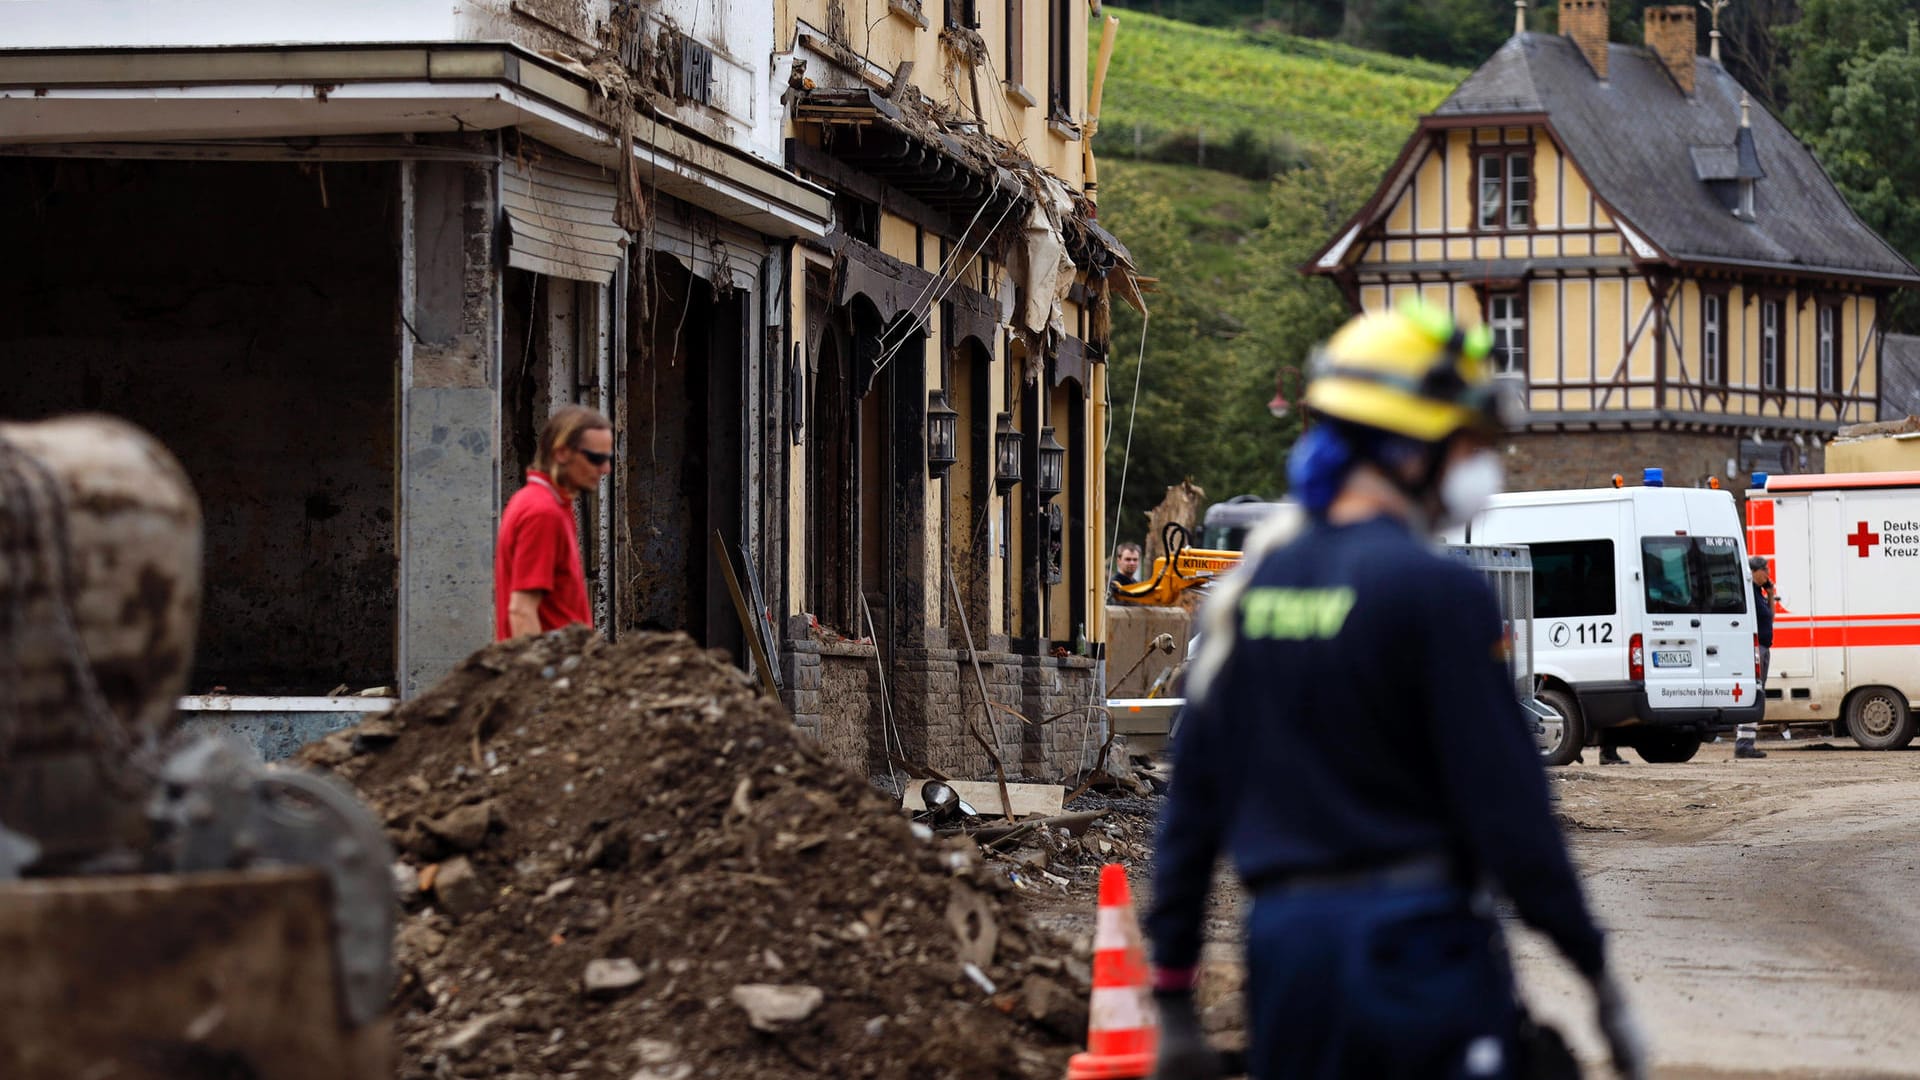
point(1352, 741)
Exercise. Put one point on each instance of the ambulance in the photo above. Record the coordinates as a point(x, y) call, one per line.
point(1843, 550)
point(1643, 619)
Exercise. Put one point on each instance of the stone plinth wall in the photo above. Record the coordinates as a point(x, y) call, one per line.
point(833, 690)
point(1546, 462)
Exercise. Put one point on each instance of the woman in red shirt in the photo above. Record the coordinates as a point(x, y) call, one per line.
point(539, 583)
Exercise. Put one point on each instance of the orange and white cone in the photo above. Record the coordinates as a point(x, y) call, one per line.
point(1123, 1031)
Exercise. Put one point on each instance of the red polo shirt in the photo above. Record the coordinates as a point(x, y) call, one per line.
point(539, 549)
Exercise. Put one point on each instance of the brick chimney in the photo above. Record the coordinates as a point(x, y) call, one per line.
point(1585, 21)
point(1670, 34)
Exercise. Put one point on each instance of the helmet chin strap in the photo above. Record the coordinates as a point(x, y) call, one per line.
point(1423, 492)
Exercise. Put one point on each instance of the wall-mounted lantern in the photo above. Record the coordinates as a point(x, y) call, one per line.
point(943, 428)
point(1053, 465)
point(1006, 453)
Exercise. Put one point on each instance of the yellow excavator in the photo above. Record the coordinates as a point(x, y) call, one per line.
point(1182, 568)
point(168, 909)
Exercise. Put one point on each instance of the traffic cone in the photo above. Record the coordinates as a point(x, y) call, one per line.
point(1122, 1031)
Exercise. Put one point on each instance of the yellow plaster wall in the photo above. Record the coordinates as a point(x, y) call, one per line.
point(1577, 296)
point(1579, 200)
point(1547, 212)
point(1400, 216)
point(1543, 324)
point(1639, 317)
point(1866, 311)
point(1687, 315)
point(1432, 192)
point(1459, 166)
point(1610, 338)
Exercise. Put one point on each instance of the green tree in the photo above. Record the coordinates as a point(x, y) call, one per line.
point(1829, 34)
point(1213, 350)
point(1867, 143)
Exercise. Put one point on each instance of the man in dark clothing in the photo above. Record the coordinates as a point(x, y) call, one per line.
point(1353, 743)
point(1763, 598)
point(1126, 564)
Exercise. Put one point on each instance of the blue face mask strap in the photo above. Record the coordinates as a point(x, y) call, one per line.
point(1318, 466)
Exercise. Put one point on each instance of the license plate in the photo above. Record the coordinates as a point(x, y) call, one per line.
point(1673, 658)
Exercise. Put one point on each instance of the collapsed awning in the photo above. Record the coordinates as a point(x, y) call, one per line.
point(560, 219)
point(876, 136)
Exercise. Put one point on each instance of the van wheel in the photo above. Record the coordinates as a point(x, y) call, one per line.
point(1878, 719)
point(1667, 747)
point(1563, 746)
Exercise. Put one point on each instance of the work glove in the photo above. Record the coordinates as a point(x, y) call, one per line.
point(1625, 1038)
point(1184, 1053)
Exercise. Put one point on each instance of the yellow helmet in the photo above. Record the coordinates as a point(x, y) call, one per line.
point(1411, 371)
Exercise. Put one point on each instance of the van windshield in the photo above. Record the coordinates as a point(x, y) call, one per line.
point(1693, 575)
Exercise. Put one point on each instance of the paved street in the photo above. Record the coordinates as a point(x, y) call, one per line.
point(1761, 911)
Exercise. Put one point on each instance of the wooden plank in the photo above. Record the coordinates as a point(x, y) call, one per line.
point(984, 796)
point(158, 978)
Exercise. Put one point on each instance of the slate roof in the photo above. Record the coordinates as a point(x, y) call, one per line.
point(1645, 147)
point(1899, 376)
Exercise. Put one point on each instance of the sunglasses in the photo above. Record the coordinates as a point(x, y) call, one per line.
point(595, 458)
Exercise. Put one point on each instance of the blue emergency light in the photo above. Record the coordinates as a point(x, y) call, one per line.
point(1653, 477)
point(1759, 481)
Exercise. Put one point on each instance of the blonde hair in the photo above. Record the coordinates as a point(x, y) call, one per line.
point(564, 428)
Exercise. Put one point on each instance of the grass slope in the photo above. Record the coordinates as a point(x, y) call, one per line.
point(1169, 76)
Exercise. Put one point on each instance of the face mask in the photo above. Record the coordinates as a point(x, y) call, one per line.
point(1469, 485)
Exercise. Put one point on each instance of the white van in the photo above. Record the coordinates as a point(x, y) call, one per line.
point(1642, 613)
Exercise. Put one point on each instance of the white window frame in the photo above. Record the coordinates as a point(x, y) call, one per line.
point(1506, 317)
point(1827, 320)
point(1770, 345)
point(1711, 328)
point(1519, 213)
point(1488, 212)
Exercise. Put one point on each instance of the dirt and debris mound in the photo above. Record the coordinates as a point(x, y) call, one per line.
point(619, 861)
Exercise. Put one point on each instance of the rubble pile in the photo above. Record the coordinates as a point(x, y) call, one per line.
point(618, 861)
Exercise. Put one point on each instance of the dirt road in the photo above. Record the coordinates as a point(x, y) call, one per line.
point(1761, 912)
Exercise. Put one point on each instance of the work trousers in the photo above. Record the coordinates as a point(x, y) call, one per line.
point(1752, 731)
point(1378, 984)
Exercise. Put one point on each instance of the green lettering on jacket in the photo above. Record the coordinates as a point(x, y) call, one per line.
point(1271, 614)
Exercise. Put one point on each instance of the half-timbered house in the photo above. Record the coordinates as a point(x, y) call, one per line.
point(1667, 267)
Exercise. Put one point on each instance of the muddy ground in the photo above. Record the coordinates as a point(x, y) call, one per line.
point(1760, 911)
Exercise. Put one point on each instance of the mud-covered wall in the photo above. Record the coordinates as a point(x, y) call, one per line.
point(245, 314)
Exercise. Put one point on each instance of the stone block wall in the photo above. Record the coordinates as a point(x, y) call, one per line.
point(1547, 461)
point(833, 691)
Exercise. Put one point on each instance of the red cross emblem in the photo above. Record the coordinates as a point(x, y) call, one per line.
point(1736, 692)
point(1863, 539)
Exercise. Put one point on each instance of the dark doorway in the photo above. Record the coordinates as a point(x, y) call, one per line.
point(685, 473)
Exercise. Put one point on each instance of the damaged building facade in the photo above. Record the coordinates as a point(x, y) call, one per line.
point(947, 403)
point(343, 259)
